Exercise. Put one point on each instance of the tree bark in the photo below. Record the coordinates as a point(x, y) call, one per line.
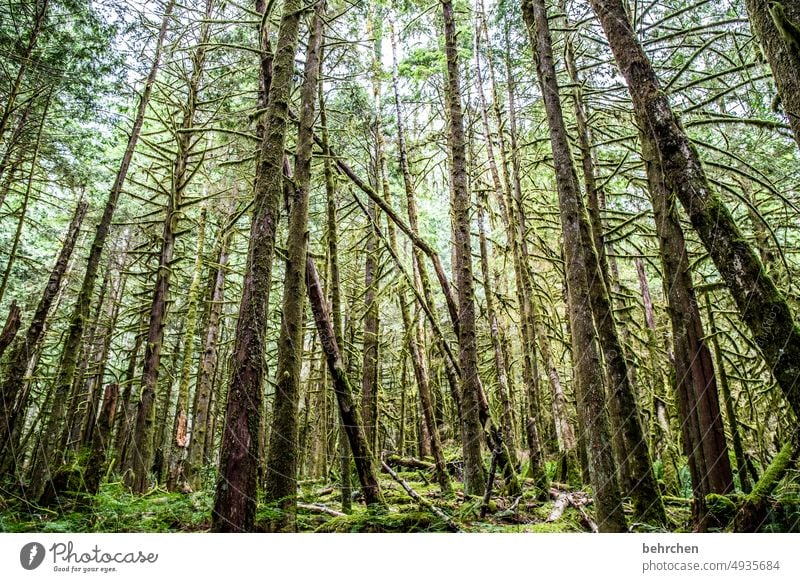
point(350, 417)
point(282, 461)
point(235, 502)
point(474, 472)
point(11, 327)
point(775, 24)
point(180, 430)
point(701, 419)
point(761, 305)
point(208, 364)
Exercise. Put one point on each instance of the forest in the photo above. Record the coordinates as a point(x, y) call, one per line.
point(400, 266)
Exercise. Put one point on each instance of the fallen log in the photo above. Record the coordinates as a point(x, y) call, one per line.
point(578, 505)
point(422, 501)
point(562, 500)
point(752, 514)
point(408, 462)
point(319, 508)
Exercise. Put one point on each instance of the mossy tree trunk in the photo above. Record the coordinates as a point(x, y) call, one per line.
point(698, 400)
point(474, 472)
point(235, 501)
point(282, 460)
point(348, 411)
point(180, 426)
point(777, 26)
point(207, 365)
point(761, 305)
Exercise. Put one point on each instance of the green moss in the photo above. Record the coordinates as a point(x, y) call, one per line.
point(773, 474)
point(406, 521)
point(721, 506)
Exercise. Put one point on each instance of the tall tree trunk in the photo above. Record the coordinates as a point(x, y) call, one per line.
point(369, 366)
point(703, 433)
point(761, 305)
point(474, 473)
point(208, 363)
point(71, 350)
point(235, 501)
point(507, 417)
point(332, 239)
point(533, 333)
point(180, 430)
point(282, 461)
point(182, 173)
point(638, 477)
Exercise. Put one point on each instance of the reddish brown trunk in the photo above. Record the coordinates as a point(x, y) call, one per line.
point(235, 501)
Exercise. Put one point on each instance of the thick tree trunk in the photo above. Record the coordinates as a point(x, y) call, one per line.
point(282, 460)
point(474, 472)
point(637, 471)
point(235, 502)
point(761, 305)
point(701, 419)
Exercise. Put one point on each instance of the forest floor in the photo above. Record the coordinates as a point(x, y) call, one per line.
point(115, 509)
